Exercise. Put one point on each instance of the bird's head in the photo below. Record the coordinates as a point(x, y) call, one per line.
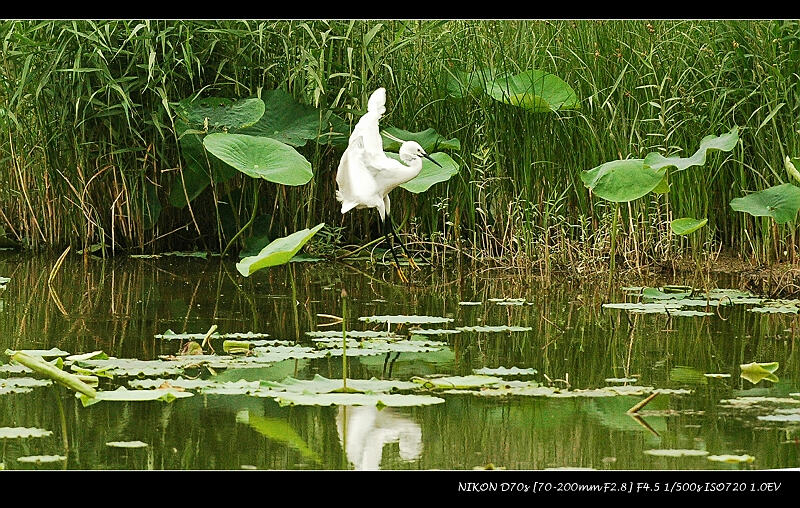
point(411, 150)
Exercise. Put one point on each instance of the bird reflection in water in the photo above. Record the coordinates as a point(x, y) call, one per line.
point(365, 430)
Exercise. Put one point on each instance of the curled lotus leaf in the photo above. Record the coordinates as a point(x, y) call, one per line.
point(725, 142)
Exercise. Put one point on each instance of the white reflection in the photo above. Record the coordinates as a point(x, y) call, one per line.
point(364, 431)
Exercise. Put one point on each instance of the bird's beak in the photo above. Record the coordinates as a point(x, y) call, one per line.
point(431, 159)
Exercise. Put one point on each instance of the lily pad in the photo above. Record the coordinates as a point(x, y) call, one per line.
point(278, 252)
point(260, 157)
point(504, 371)
point(134, 367)
point(732, 459)
point(41, 459)
point(458, 382)
point(352, 334)
point(22, 432)
point(127, 444)
point(356, 399)
point(122, 394)
point(789, 418)
point(433, 331)
point(677, 453)
point(321, 384)
point(494, 329)
point(780, 202)
point(402, 319)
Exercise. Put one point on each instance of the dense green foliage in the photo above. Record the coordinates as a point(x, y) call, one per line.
point(89, 148)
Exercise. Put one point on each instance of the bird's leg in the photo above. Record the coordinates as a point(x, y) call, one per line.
point(391, 248)
point(402, 245)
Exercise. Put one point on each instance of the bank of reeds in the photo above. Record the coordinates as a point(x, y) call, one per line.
point(89, 150)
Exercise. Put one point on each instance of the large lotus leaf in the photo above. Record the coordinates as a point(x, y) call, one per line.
point(686, 225)
point(461, 83)
point(429, 140)
point(780, 202)
point(725, 143)
point(286, 120)
point(371, 348)
point(198, 168)
point(534, 90)
point(621, 181)
point(430, 174)
point(356, 399)
point(278, 252)
point(260, 157)
point(220, 112)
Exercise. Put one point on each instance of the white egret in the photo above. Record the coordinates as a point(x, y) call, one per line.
point(366, 174)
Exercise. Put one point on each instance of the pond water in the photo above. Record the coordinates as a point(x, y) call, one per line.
point(122, 306)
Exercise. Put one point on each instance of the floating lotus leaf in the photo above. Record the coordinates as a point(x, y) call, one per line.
point(43, 353)
point(458, 382)
point(717, 375)
point(746, 402)
point(23, 382)
point(260, 157)
point(504, 371)
point(664, 294)
point(278, 252)
point(286, 120)
point(778, 307)
point(13, 368)
point(494, 329)
point(732, 459)
point(622, 181)
point(321, 384)
point(643, 308)
point(41, 459)
point(621, 380)
point(535, 90)
point(401, 319)
point(725, 142)
point(177, 383)
point(352, 334)
point(511, 301)
point(170, 335)
point(433, 331)
point(99, 355)
point(133, 367)
point(429, 140)
point(789, 418)
point(356, 399)
point(470, 303)
point(220, 113)
point(122, 394)
point(127, 444)
point(22, 432)
point(430, 174)
point(374, 347)
point(686, 225)
point(780, 202)
point(677, 453)
point(755, 372)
